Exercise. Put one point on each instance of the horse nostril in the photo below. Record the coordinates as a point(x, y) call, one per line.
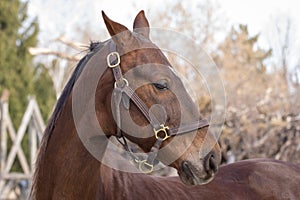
point(186, 168)
point(213, 164)
point(210, 163)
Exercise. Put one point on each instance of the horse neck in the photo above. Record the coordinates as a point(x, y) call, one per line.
point(64, 166)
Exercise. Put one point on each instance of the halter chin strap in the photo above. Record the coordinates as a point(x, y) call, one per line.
point(124, 93)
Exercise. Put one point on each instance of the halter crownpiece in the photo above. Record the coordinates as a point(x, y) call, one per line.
point(124, 93)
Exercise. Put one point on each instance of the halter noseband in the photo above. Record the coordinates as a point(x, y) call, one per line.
point(124, 93)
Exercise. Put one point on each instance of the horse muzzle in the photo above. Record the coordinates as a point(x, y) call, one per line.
point(199, 173)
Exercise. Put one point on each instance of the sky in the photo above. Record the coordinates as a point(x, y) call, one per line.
point(259, 13)
point(63, 17)
point(260, 16)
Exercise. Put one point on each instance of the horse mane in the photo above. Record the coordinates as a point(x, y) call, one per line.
point(92, 49)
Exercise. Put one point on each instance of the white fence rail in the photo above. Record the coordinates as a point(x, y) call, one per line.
point(14, 185)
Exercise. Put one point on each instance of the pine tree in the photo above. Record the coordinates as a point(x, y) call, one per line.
point(44, 90)
point(17, 72)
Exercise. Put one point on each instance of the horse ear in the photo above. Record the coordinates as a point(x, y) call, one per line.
point(141, 24)
point(123, 35)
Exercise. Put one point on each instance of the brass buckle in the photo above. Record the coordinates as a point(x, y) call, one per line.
point(163, 129)
point(145, 167)
point(109, 56)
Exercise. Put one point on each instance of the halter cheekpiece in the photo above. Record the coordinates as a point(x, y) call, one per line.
point(123, 93)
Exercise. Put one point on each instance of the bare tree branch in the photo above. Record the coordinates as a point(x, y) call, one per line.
point(43, 51)
point(74, 45)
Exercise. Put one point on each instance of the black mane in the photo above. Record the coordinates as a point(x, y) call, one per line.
point(93, 48)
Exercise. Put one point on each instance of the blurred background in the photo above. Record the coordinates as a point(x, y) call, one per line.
point(255, 45)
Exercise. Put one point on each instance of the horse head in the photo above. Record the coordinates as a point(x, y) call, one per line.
point(141, 98)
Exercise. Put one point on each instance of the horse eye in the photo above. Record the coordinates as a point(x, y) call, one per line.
point(161, 85)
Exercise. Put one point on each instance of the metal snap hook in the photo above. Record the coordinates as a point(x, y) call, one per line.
point(145, 167)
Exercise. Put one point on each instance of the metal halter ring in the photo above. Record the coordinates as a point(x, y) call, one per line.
point(112, 55)
point(164, 129)
point(145, 167)
point(126, 83)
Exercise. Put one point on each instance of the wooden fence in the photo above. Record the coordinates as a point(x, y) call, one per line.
point(15, 185)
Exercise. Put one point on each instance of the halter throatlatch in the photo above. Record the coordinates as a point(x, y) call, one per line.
point(124, 93)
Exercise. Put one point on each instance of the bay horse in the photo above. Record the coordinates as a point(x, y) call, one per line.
point(69, 164)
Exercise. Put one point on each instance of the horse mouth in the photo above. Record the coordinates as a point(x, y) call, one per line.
point(188, 175)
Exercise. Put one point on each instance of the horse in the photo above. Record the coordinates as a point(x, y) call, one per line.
point(70, 162)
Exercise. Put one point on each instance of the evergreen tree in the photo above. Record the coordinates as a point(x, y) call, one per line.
point(17, 34)
point(44, 90)
point(17, 72)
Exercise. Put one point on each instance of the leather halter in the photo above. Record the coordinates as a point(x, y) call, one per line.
point(124, 93)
